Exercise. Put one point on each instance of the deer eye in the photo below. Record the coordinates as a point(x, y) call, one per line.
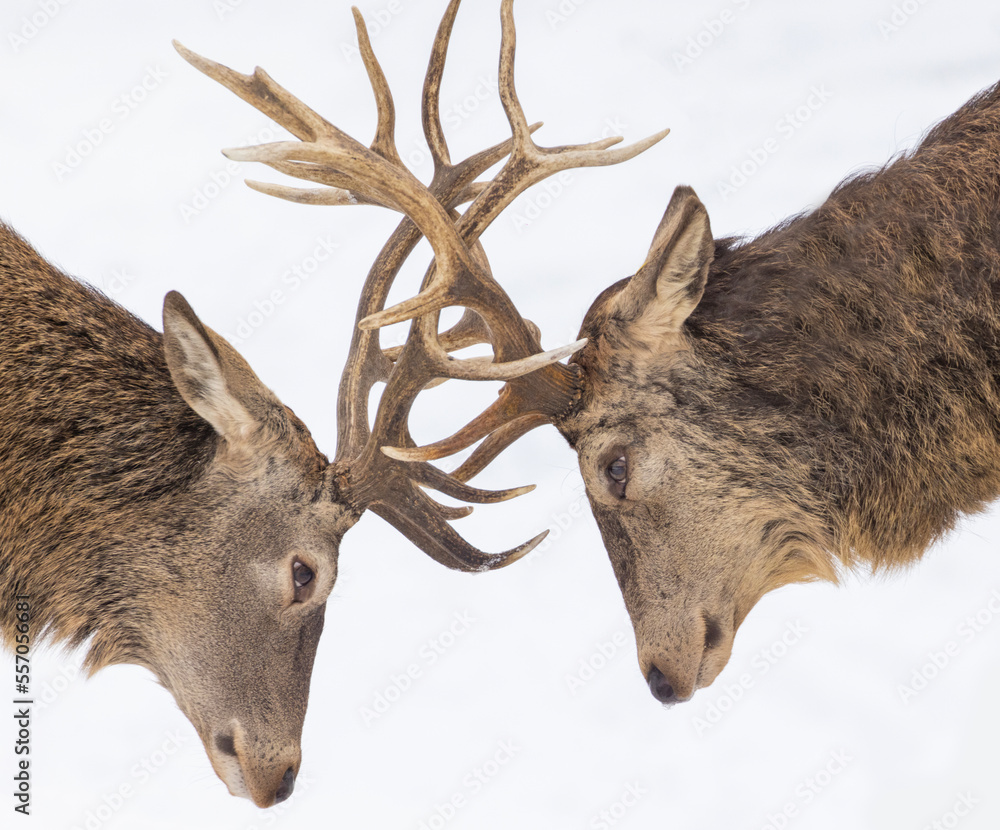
point(302, 576)
point(617, 472)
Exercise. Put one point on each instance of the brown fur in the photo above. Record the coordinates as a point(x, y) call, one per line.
point(832, 400)
point(143, 533)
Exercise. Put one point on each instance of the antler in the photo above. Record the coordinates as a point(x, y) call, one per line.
point(542, 397)
point(538, 389)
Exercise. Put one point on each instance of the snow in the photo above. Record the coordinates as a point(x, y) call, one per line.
point(535, 714)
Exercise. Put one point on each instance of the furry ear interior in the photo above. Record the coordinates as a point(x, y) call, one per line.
point(669, 285)
point(212, 377)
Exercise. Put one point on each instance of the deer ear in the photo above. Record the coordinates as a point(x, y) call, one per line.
point(669, 285)
point(212, 377)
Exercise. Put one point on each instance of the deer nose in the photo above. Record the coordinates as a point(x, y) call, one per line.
point(285, 787)
point(242, 766)
point(661, 688)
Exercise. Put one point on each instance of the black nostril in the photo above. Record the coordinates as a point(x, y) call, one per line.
point(661, 688)
point(285, 787)
point(225, 744)
point(713, 633)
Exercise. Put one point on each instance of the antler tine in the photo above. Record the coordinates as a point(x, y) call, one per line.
point(498, 413)
point(260, 91)
point(438, 540)
point(384, 142)
point(496, 442)
point(313, 196)
point(428, 476)
point(470, 330)
point(430, 109)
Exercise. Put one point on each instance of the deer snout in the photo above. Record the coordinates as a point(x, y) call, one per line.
point(254, 769)
point(661, 688)
point(679, 659)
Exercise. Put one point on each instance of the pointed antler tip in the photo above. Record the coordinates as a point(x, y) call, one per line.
point(191, 57)
point(524, 550)
point(522, 491)
point(239, 153)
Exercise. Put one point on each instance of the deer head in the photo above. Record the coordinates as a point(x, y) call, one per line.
point(235, 616)
point(702, 502)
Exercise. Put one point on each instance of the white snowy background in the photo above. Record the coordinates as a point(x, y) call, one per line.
point(528, 709)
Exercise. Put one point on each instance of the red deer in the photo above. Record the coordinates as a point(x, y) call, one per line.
point(160, 506)
point(753, 413)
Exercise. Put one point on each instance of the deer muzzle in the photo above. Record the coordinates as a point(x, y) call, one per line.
point(679, 657)
point(251, 769)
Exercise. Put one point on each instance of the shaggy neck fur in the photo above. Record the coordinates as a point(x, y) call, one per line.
point(93, 438)
point(871, 326)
